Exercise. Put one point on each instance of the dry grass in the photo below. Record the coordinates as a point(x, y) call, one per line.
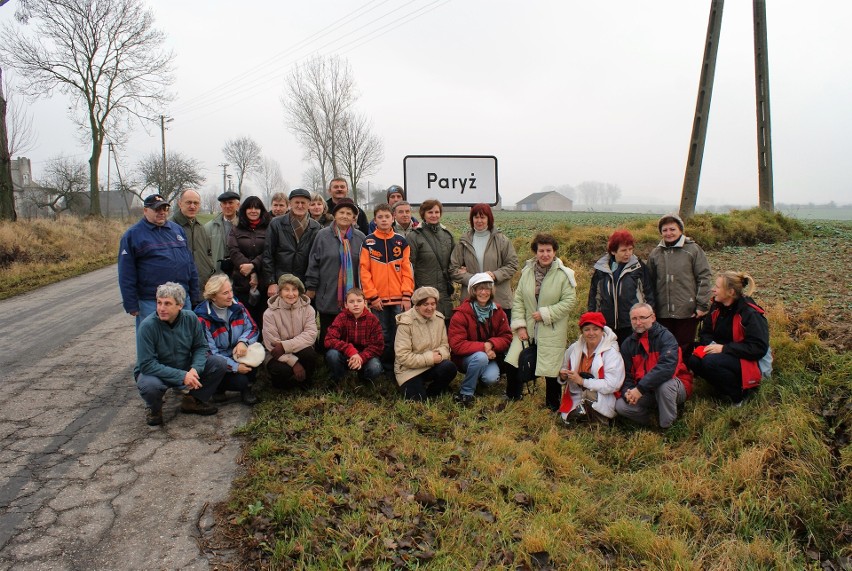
point(40, 252)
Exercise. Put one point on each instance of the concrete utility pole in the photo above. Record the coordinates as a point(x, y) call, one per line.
point(163, 120)
point(224, 176)
point(766, 193)
point(689, 194)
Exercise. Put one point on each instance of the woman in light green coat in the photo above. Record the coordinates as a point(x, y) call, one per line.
point(543, 299)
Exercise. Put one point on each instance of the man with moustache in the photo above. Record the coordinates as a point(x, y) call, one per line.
point(219, 228)
point(189, 204)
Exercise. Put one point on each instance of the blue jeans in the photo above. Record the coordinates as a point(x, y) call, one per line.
point(336, 361)
point(152, 388)
point(387, 317)
point(476, 367)
point(146, 308)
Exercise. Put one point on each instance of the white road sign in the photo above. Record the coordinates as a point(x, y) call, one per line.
point(455, 180)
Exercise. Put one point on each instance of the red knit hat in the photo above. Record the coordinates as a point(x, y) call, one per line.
point(593, 317)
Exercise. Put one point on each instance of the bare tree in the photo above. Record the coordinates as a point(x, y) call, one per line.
point(246, 156)
point(591, 192)
point(105, 54)
point(183, 172)
point(64, 185)
point(612, 193)
point(362, 152)
point(313, 180)
point(318, 98)
point(7, 191)
point(270, 179)
point(22, 136)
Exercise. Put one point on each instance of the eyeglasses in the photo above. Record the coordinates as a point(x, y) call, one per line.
point(642, 317)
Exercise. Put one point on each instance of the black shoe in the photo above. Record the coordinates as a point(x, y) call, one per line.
point(249, 397)
point(154, 418)
point(220, 397)
point(577, 415)
point(192, 405)
point(464, 400)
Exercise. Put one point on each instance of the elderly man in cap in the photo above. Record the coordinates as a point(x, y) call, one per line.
point(289, 239)
point(154, 251)
point(338, 188)
point(189, 204)
point(172, 353)
point(219, 228)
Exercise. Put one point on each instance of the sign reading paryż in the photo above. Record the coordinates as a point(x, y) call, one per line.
point(455, 180)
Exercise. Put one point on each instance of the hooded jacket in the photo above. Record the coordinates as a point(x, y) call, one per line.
point(416, 338)
point(500, 258)
point(614, 297)
point(293, 327)
point(467, 335)
point(651, 359)
point(607, 367)
point(222, 337)
point(556, 298)
point(682, 279)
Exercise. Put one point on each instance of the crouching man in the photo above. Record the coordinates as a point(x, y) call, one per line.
point(655, 376)
point(171, 353)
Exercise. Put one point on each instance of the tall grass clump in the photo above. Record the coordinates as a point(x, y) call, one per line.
point(38, 252)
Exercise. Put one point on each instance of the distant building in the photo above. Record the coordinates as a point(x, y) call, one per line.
point(546, 201)
point(26, 189)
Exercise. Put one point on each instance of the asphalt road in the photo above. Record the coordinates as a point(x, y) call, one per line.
point(84, 482)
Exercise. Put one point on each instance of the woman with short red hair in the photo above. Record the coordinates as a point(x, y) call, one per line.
point(620, 280)
point(484, 248)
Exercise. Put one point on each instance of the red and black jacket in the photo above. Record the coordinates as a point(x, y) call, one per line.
point(651, 359)
point(741, 328)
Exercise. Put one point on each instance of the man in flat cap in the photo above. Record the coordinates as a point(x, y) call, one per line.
point(152, 252)
point(219, 228)
point(289, 239)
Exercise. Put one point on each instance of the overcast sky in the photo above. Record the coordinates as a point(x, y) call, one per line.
point(559, 92)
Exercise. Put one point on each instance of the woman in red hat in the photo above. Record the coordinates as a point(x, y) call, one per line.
point(593, 371)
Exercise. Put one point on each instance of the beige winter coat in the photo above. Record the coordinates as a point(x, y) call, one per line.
point(416, 338)
point(293, 327)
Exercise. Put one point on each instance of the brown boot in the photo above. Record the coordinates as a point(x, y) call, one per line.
point(192, 405)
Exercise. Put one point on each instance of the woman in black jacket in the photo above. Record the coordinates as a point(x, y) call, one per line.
point(620, 281)
point(734, 336)
point(245, 245)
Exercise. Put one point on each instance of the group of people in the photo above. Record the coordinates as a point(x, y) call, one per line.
point(376, 298)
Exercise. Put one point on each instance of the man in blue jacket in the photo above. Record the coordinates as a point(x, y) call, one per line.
point(152, 252)
point(172, 353)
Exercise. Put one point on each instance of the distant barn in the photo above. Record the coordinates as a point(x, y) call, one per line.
point(546, 201)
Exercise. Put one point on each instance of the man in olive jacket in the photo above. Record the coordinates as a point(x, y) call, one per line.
point(189, 204)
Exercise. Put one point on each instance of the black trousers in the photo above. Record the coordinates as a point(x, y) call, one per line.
point(723, 373)
point(430, 383)
point(281, 374)
point(552, 394)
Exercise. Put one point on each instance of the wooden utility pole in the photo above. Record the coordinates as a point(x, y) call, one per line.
point(689, 194)
point(7, 191)
point(766, 193)
point(163, 121)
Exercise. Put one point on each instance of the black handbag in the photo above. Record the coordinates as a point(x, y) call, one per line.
point(526, 365)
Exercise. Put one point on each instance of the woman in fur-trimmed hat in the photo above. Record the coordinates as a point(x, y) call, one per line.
point(422, 364)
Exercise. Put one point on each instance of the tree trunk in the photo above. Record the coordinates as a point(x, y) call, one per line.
point(7, 192)
point(94, 165)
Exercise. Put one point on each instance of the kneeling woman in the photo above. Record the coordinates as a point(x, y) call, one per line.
point(734, 337)
point(422, 366)
point(479, 336)
point(593, 371)
point(230, 329)
point(289, 333)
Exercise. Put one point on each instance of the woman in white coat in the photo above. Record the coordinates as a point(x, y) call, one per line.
point(593, 371)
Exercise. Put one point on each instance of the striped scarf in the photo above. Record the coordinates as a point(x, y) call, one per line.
point(346, 276)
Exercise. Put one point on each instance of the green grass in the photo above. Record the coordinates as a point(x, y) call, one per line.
point(352, 477)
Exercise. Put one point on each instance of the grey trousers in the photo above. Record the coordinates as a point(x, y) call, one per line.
point(665, 399)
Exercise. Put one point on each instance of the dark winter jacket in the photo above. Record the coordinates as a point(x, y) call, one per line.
point(324, 267)
point(432, 265)
point(614, 297)
point(246, 246)
point(356, 336)
point(283, 254)
point(743, 332)
point(168, 350)
point(651, 359)
point(468, 336)
point(199, 245)
point(151, 255)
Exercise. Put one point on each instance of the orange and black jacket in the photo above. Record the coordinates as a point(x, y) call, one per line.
point(386, 268)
